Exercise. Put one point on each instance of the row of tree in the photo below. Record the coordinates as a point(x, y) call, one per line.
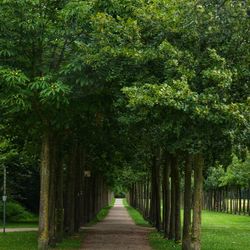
point(228, 191)
point(186, 111)
point(52, 110)
point(126, 82)
point(159, 198)
point(172, 184)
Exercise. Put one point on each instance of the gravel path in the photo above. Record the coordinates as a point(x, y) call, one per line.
point(12, 230)
point(116, 232)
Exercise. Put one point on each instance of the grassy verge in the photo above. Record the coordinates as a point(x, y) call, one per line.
point(220, 231)
point(21, 224)
point(70, 243)
point(18, 241)
point(102, 214)
point(135, 215)
point(156, 240)
point(28, 240)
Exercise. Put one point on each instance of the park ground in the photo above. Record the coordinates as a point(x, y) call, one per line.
point(219, 231)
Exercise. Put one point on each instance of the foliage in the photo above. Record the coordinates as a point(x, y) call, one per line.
point(124, 78)
point(237, 174)
point(22, 172)
point(15, 212)
point(213, 180)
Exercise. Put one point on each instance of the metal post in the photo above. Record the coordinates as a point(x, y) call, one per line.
point(4, 198)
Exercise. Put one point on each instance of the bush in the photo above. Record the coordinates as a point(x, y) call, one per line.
point(15, 212)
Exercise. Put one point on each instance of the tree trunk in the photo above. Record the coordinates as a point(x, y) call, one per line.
point(77, 190)
point(177, 201)
point(59, 211)
point(147, 198)
point(70, 193)
point(157, 192)
point(186, 241)
point(172, 213)
point(155, 198)
point(197, 202)
point(52, 194)
point(248, 203)
point(43, 238)
point(168, 197)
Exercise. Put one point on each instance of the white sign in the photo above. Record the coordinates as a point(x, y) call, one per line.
point(87, 173)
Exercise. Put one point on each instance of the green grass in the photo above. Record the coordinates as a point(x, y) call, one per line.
point(70, 243)
point(28, 240)
point(135, 215)
point(24, 224)
point(220, 231)
point(225, 231)
point(102, 214)
point(18, 241)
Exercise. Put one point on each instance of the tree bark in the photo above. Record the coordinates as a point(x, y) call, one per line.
point(197, 202)
point(155, 198)
point(186, 240)
point(59, 211)
point(177, 201)
point(172, 213)
point(70, 193)
point(166, 195)
point(43, 238)
point(52, 194)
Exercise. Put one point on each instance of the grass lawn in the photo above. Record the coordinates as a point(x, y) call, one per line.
point(20, 225)
point(219, 232)
point(28, 240)
point(18, 241)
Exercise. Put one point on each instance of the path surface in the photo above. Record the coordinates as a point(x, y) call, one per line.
point(116, 232)
point(26, 229)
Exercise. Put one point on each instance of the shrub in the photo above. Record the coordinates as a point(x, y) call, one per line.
point(15, 212)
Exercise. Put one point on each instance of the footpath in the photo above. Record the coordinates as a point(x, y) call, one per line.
point(116, 232)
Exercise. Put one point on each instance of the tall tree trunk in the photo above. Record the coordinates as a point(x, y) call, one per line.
point(59, 211)
point(147, 198)
point(197, 202)
point(164, 197)
point(177, 200)
point(155, 198)
point(231, 200)
point(186, 241)
point(248, 203)
point(172, 213)
point(152, 200)
point(166, 194)
point(52, 194)
point(77, 190)
point(157, 192)
point(43, 238)
point(240, 200)
point(70, 192)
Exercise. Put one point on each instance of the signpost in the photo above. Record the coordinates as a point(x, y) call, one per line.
point(4, 198)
